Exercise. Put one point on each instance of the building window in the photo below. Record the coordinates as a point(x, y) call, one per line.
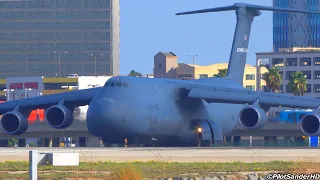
point(250, 87)
point(316, 88)
point(316, 61)
point(281, 88)
point(305, 62)
point(289, 75)
point(307, 74)
point(308, 88)
point(291, 62)
point(203, 76)
point(90, 23)
point(278, 62)
point(288, 89)
point(316, 75)
point(250, 77)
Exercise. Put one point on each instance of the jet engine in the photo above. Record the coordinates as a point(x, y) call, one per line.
point(14, 123)
point(310, 124)
point(252, 117)
point(59, 116)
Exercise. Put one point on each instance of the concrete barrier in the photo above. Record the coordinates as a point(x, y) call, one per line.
point(54, 159)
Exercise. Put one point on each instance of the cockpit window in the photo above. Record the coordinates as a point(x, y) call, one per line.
point(107, 83)
point(116, 83)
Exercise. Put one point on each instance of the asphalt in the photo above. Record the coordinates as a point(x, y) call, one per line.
point(172, 154)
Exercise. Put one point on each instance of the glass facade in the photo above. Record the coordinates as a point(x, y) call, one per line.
point(292, 30)
point(56, 37)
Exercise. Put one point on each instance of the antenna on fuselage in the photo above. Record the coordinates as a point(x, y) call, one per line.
point(245, 15)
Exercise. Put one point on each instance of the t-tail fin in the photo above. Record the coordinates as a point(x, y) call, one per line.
point(245, 15)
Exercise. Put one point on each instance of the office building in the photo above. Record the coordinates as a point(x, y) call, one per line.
point(296, 29)
point(290, 60)
point(59, 37)
point(166, 66)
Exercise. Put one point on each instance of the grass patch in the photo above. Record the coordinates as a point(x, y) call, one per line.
point(151, 169)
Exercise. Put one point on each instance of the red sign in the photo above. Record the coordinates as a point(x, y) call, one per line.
point(32, 85)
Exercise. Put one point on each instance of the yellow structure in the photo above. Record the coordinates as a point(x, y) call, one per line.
point(192, 71)
point(166, 66)
point(299, 49)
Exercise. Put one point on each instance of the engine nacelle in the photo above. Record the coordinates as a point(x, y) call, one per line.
point(252, 117)
point(59, 116)
point(14, 123)
point(310, 124)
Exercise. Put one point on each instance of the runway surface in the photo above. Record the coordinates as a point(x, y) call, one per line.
point(171, 154)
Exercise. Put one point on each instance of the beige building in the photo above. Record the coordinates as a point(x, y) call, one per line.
point(289, 60)
point(166, 66)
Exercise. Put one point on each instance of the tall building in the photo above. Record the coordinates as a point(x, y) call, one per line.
point(59, 37)
point(296, 29)
point(290, 60)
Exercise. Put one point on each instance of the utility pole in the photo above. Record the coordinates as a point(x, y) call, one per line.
point(95, 63)
point(193, 57)
point(59, 61)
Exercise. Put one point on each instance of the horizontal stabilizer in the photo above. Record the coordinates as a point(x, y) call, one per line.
point(248, 7)
point(226, 8)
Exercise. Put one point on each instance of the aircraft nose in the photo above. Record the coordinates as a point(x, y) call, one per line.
point(102, 116)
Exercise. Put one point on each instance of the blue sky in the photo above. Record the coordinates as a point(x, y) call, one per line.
point(150, 26)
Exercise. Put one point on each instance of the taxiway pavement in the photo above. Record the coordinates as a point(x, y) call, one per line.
point(172, 154)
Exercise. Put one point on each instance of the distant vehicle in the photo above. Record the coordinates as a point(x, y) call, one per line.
point(72, 75)
point(169, 112)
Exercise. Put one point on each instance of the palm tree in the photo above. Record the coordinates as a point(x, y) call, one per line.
point(221, 73)
point(298, 83)
point(134, 73)
point(273, 79)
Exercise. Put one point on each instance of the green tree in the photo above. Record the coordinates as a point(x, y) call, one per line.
point(298, 83)
point(221, 73)
point(134, 73)
point(273, 79)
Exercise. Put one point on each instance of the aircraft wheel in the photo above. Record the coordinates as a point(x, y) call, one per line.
point(207, 143)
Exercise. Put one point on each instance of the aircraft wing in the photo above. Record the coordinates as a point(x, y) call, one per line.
point(76, 98)
point(243, 96)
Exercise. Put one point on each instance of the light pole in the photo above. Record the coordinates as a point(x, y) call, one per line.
point(95, 63)
point(59, 60)
point(193, 57)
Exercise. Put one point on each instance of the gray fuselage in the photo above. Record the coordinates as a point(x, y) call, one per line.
point(138, 108)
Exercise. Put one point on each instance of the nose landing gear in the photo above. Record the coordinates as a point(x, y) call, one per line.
point(204, 134)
